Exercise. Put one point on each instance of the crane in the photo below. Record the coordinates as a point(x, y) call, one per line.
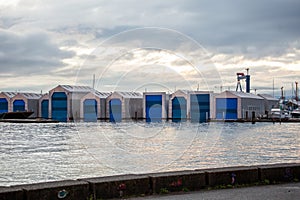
point(241, 76)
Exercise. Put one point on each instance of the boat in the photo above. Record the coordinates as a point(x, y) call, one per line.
point(16, 115)
point(295, 113)
point(277, 113)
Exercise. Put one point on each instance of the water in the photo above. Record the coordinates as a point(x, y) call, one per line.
point(31, 153)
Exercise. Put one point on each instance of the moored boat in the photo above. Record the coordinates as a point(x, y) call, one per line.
point(16, 115)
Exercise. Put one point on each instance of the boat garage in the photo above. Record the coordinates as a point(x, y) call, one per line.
point(64, 101)
point(5, 101)
point(155, 106)
point(93, 106)
point(124, 106)
point(232, 105)
point(26, 102)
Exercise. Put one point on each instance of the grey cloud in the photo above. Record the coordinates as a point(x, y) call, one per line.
point(31, 53)
point(248, 29)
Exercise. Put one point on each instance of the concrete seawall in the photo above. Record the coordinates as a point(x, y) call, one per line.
point(154, 183)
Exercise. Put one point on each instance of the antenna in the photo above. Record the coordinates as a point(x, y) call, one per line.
point(297, 98)
point(93, 81)
point(273, 88)
point(282, 95)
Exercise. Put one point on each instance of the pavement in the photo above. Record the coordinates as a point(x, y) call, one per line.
point(289, 191)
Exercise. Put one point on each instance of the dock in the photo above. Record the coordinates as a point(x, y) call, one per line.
point(38, 120)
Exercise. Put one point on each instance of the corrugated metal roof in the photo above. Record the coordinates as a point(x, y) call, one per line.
point(245, 95)
point(75, 88)
point(101, 94)
point(10, 94)
point(268, 97)
point(130, 94)
point(31, 95)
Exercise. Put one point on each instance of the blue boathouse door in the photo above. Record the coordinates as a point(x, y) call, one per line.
point(179, 109)
point(153, 108)
point(115, 110)
point(90, 110)
point(59, 106)
point(200, 107)
point(226, 108)
point(18, 105)
point(3, 105)
point(45, 109)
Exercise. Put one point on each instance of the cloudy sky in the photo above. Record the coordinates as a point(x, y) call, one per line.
point(149, 45)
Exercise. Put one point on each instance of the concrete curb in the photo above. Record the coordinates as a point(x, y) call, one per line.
point(154, 183)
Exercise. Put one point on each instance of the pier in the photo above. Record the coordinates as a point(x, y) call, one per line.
point(137, 185)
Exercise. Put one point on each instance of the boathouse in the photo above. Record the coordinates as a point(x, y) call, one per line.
point(269, 103)
point(93, 106)
point(155, 106)
point(44, 106)
point(5, 101)
point(64, 102)
point(124, 106)
point(200, 106)
point(232, 105)
point(190, 105)
point(26, 102)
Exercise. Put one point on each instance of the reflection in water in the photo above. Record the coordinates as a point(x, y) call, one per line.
point(46, 152)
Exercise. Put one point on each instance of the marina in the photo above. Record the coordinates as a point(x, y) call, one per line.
point(73, 103)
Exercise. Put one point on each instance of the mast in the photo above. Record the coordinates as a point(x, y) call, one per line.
point(297, 99)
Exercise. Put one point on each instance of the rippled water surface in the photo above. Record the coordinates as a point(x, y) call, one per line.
point(32, 153)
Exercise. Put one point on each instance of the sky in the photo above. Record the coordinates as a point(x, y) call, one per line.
point(155, 45)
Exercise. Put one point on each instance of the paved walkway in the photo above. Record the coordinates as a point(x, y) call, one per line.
point(289, 191)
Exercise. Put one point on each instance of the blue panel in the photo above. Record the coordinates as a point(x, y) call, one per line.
point(179, 109)
point(200, 107)
point(45, 109)
point(90, 110)
point(18, 105)
point(3, 105)
point(226, 108)
point(59, 105)
point(115, 110)
point(153, 108)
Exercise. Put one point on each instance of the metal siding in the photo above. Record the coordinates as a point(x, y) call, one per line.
point(45, 109)
point(200, 107)
point(59, 106)
point(90, 110)
point(135, 107)
point(258, 104)
point(179, 109)
point(153, 108)
point(18, 105)
point(33, 105)
point(102, 108)
point(115, 110)
point(227, 107)
point(3, 105)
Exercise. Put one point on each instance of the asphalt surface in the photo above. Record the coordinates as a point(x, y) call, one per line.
point(288, 191)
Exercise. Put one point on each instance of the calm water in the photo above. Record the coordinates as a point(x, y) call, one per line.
point(32, 153)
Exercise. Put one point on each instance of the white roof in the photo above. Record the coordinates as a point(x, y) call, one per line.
point(245, 95)
point(183, 91)
point(130, 94)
